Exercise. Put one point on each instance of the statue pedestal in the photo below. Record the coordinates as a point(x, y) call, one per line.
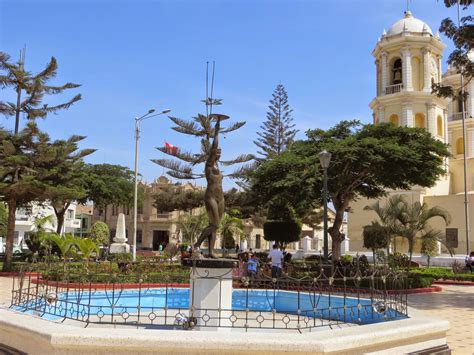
point(210, 294)
point(117, 248)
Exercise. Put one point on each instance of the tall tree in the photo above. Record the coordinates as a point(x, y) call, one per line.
point(3, 220)
point(109, 184)
point(462, 35)
point(366, 160)
point(65, 176)
point(278, 130)
point(30, 89)
point(23, 158)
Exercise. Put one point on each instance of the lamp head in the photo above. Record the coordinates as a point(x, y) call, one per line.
point(325, 159)
point(166, 111)
point(151, 110)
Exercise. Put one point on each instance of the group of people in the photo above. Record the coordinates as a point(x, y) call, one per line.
point(276, 257)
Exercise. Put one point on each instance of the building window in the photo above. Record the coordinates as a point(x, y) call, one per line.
point(439, 121)
point(84, 223)
point(460, 146)
point(394, 120)
point(70, 214)
point(258, 241)
point(139, 236)
point(397, 72)
point(420, 120)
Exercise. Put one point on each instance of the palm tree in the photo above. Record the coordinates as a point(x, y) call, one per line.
point(386, 215)
point(230, 226)
point(412, 221)
point(86, 247)
point(191, 226)
point(33, 86)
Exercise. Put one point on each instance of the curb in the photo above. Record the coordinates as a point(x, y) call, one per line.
point(424, 290)
point(454, 282)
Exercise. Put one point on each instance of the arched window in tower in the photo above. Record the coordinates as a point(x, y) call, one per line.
point(420, 120)
point(460, 146)
point(394, 120)
point(397, 72)
point(439, 126)
point(458, 100)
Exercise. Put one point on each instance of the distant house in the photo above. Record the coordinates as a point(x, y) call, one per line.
point(84, 214)
point(25, 222)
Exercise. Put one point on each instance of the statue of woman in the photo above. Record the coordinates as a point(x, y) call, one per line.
point(214, 195)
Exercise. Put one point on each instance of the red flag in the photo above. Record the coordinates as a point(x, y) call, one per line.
point(171, 149)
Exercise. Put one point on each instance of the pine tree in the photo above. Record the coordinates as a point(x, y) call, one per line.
point(34, 87)
point(278, 132)
point(208, 128)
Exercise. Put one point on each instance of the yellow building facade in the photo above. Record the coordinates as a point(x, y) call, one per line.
point(408, 61)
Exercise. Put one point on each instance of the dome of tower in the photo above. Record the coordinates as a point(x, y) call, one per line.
point(409, 24)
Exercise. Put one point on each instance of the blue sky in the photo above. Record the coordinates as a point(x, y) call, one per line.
point(133, 55)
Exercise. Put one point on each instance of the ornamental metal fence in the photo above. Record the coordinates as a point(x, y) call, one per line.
point(159, 295)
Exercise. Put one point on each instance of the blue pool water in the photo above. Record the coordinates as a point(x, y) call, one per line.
point(78, 304)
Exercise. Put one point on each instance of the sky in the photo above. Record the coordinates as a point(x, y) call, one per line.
point(133, 55)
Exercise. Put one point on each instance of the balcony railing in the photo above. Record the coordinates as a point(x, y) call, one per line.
point(392, 89)
point(458, 116)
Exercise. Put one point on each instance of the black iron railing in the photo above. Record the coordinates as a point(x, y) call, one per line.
point(158, 295)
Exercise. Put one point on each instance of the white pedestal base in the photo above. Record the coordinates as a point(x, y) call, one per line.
point(117, 248)
point(210, 298)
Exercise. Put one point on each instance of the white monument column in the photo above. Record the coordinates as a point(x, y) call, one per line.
point(426, 70)
point(407, 114)
point(307, 244)
point(406, 69)
point(120, 241)
point(384, 65)
point(431, 119)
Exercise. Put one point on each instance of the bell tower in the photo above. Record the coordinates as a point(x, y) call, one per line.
point(408, 62)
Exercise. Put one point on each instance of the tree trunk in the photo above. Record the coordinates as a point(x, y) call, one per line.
point(335, 232)
point(7, 264)
point(60, 212)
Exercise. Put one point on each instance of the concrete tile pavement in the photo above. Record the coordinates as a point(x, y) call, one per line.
point(455, 304)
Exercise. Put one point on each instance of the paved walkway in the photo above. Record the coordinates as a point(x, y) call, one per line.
point(454, 303)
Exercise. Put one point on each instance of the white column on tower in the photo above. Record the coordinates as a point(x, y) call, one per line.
point(440, 69)
point(406, 69)
point(426, 70)
point(384, 64)
point(470, 100)
point(381, 110)
point(446, 138)
point(407, 114)
point(470, 142)
point(431, 119)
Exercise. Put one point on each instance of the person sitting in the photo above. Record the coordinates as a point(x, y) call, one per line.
point(469, 260)
point(276, 257)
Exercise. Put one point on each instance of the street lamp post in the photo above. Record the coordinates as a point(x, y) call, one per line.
point(324, 159)
point(138, 120)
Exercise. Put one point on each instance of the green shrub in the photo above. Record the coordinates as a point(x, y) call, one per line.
point(419, 281)
point(282, 232)
point(398, 260)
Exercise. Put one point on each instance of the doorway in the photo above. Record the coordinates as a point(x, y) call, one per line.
point(160, 238)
